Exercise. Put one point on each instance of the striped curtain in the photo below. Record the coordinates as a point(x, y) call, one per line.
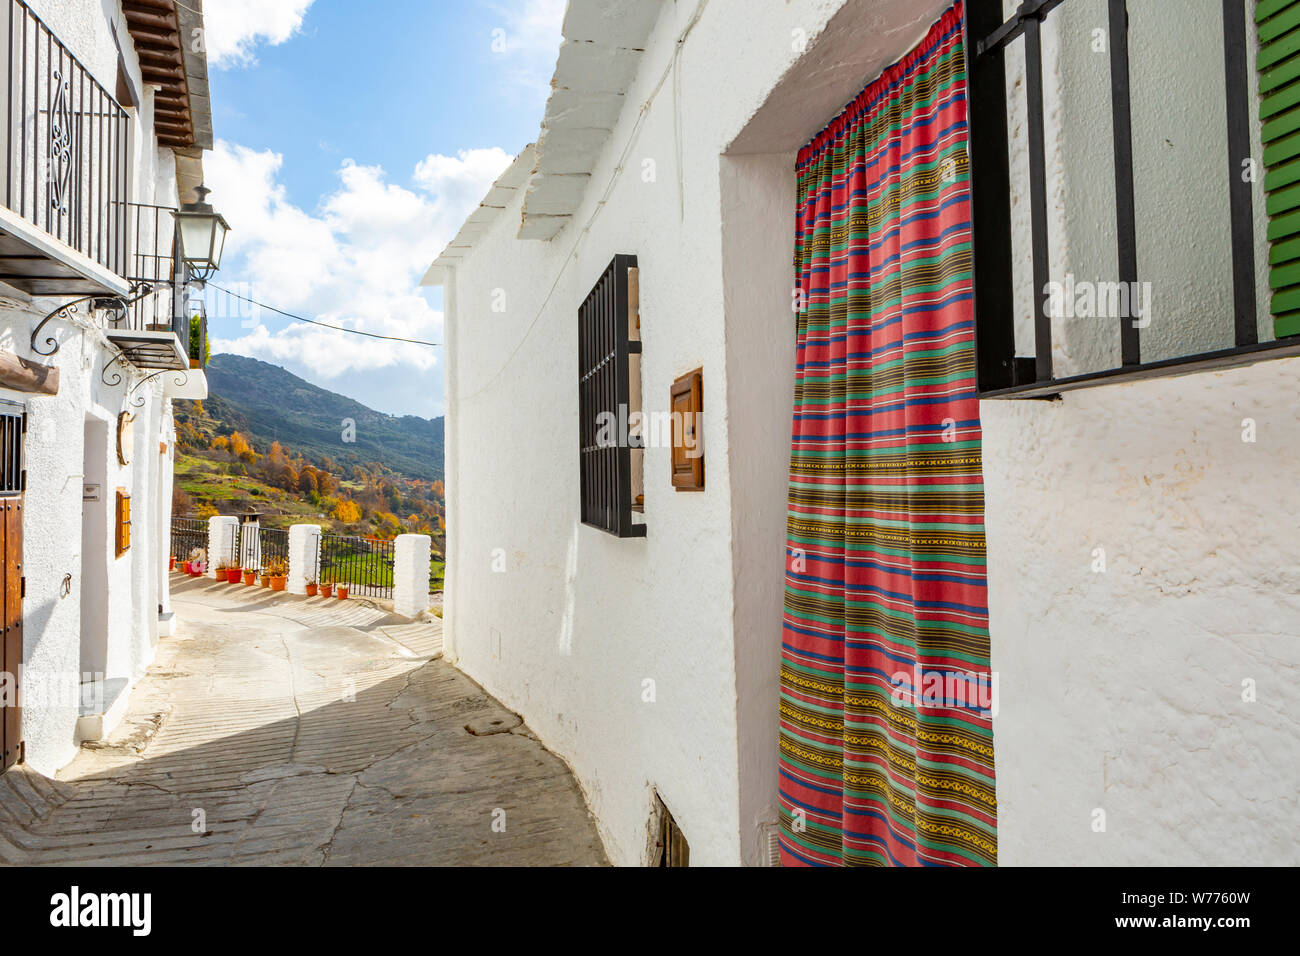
point(886, 694)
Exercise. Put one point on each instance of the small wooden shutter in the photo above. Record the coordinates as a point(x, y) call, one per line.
point(123, 522)
point(1278, 23)
point(687, 403)
point(11, 614)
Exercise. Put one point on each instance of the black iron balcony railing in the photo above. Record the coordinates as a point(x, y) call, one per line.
point(65, 145)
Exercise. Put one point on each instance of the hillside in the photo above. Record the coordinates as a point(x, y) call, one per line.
point(267, 403)
point(267, 441)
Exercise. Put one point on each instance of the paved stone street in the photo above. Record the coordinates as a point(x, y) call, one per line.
point(301, 731)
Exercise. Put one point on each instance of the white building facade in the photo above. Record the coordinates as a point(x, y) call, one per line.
point(107, 120)
point(1141, 541)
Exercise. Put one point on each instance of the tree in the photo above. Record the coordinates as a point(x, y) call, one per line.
point(308, 480)
point(348, 512)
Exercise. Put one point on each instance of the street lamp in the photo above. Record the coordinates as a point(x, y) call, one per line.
point(202, 234)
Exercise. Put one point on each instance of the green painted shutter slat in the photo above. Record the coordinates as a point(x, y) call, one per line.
point(1280, 126)
point(1285, 148)
point(1285, 47)
point(1282, 227)
point(1278, 26)
point(1282, 175)
point(1267, 9)
point(1286, 19)
point(1279, 76)
point(1283, 252)
point(1287, 323)
point(1279, 102)
point(1283, 276)
point(1288, 300)
point(1283, 200)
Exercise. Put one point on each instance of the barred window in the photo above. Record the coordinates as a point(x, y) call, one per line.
point(13, 425)
point(609, 401)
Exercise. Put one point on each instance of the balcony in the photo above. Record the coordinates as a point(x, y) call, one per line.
point(68, 230)
point(65, 167)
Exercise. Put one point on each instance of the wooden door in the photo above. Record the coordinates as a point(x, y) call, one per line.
point(11, 616)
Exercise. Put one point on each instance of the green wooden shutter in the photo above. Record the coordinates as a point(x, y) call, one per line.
point(1278, 23)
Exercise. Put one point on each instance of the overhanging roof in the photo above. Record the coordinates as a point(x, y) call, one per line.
point(604, 41)
point(161, 31)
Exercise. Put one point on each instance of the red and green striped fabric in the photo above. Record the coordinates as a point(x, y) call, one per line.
point(886, 738)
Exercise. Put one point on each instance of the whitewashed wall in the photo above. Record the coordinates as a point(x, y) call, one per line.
point(53, 504)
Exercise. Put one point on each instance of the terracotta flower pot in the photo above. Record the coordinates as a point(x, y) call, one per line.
point(311, 590)
point(278, 582)
point(342, 590)
point(250, 577)
point(233, 575)
point(172, 564)
point(186, 567)
point(266, 580)
point(327, 590)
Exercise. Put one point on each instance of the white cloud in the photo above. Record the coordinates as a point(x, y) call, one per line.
point(528, 40)
point(234, 28)
point(355, 261)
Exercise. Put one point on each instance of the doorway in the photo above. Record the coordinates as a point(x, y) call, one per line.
point(94, 551)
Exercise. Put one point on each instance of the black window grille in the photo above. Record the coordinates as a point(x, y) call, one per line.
point(605, 447)
point(13, 425)
point(1001, 373)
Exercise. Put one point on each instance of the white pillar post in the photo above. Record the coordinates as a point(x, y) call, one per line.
point(411, 574)
point(221, 540)
point(304, 556)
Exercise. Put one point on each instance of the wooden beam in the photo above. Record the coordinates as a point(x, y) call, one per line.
point(162, 6)
point(166, 58)
point(25, 375)
point(155, 73)
point(156, 21)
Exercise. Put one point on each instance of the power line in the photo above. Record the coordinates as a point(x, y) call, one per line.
point(323, 325)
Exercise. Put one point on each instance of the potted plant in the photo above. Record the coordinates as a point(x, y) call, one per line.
point(326, 586)
point(171, 566)
point(264, 578)
point(311, 585)
point(250, 576)
point(278, 569)
point(234, 573)
point(341, 589)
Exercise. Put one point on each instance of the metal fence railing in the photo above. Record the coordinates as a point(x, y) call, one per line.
point(273, 546)
point(365, 565)
point(188, 534)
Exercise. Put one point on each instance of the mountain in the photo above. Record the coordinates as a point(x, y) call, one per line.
point(268, 403)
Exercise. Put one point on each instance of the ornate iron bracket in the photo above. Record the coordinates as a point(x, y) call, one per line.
point(68, 309)
point(182, 376)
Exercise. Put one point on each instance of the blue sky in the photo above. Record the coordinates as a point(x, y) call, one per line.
point(353, 139)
